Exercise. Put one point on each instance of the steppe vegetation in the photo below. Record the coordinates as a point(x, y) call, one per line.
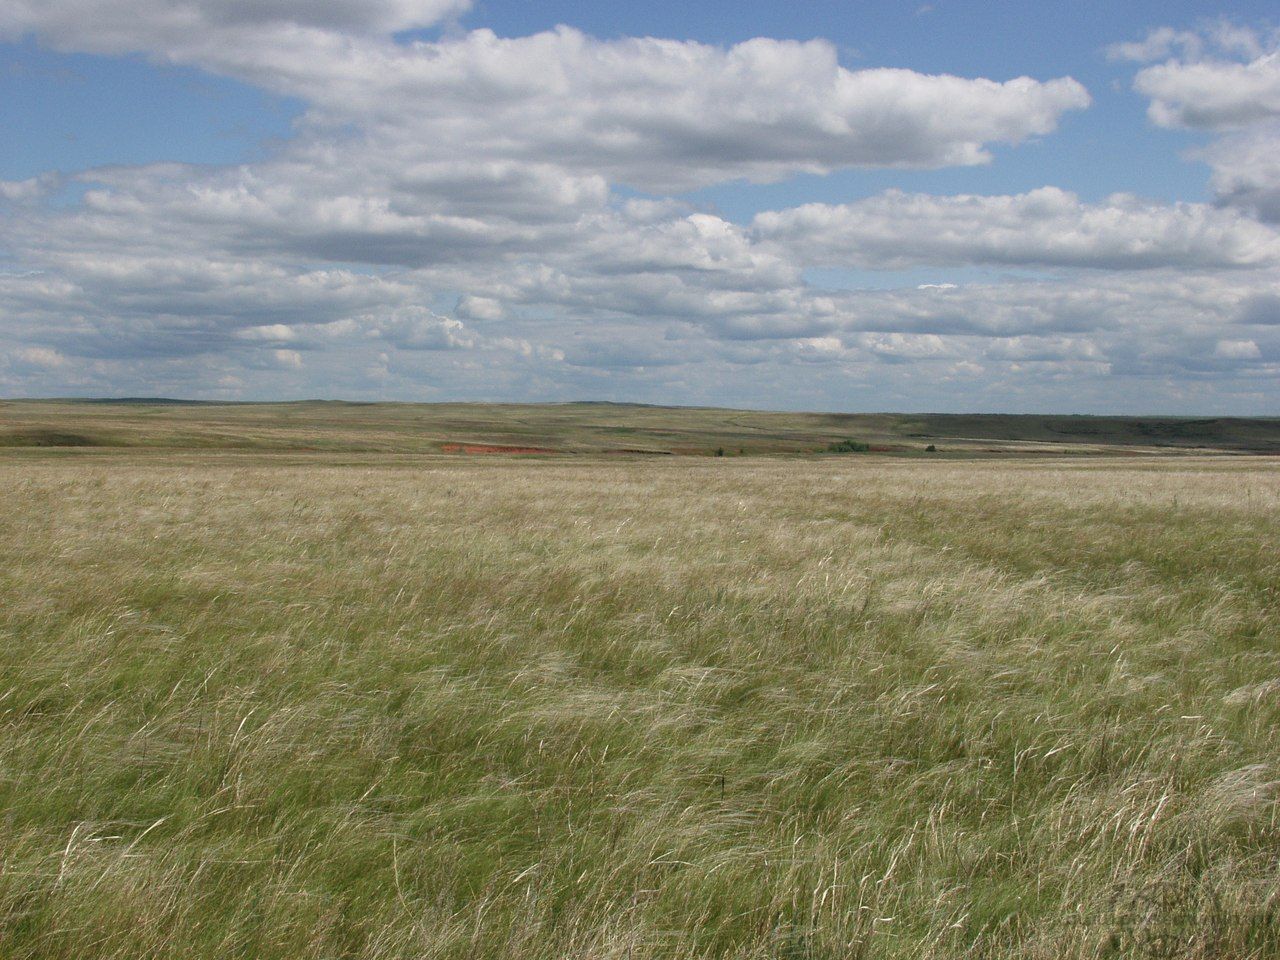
point(600, 428)
point(301, 705)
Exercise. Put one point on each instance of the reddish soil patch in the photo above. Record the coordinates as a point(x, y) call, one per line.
point(490, 448)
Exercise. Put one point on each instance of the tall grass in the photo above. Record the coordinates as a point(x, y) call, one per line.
point(710, 708)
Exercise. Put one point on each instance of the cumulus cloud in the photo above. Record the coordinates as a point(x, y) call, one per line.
point(344, 207)
point(92, 304)
point(899, 347)
point(1213, 95)
point(656, 114)
point(1221, 37)
point(418, 328)
point(670, 115)
point(30, 189)
point(448, 220)
point(595, 297)
point(289, 359)
point(41, 357)
point(1237, 350)
point(269, 333)
point(1052, 349)
point(1048, 227)
point(1246, 171)
point(1224, 78)
point(479, 308)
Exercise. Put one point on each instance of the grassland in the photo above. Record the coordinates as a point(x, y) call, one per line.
point(601, 428)
point(370, 705)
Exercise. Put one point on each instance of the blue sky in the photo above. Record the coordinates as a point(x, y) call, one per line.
point(70, 112)
point(430, 199)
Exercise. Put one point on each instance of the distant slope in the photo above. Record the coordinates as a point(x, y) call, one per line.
point(600, 428)
point(1234, 433)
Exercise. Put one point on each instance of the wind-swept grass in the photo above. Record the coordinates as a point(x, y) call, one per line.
point(836, 708)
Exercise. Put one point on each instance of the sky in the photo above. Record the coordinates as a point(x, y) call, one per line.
point(942, 206)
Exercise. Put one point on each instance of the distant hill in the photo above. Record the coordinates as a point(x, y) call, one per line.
point(601, 428)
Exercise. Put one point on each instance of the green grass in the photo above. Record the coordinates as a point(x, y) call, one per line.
point(372, 706)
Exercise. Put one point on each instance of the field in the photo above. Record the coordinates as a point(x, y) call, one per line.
point(607, 429)
point(303, 704)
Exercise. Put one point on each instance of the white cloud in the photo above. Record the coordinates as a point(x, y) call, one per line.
point(820, 348)
point(1246, 171)
point(903, 346)
point(42, 357)
point(1048, 227)
point(418, 328)
point(1237, 350)
point(479, 308)
point(131, 277)
point(96, 303)
point(479, 172)
point(269, 333)
point(1222, 38)
point(29, 190)
point(1156, 45)
point(656, 114)
point(1225, 78)
point(126, 26)
point(1214, 95)
point(1043, 349)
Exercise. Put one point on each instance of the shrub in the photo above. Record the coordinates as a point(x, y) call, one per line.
point(848, 446)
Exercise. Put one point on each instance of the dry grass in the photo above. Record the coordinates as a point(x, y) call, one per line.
point(595, 428)
point(262, 708)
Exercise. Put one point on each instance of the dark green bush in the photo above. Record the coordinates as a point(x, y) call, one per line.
point(848, 446)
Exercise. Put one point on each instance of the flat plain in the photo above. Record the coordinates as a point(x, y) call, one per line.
point(608, 429)
point(319, 701)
